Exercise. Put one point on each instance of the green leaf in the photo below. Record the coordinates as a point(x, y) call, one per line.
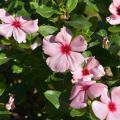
point(45, 30)
point(3, 58)
point(115, 38)
point(2, 85)
point(5, 113)
point(93, 44)
point(45, 11)
point(114, 29)
point(71, 5)
point(16, 69)
point(87, 54)
point(77, 113)
point(79, 22)
point(34, 5)
point(53, 97)
point(102, 33)
point(91, 8)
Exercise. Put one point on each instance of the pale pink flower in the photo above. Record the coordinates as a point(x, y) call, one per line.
point(81, 92)
point(114, 8)
point(11, 104)
point(16, 26)
point(90, 69)
point(64, 53)
point(109, 107)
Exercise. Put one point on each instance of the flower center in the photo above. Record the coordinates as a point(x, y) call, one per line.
point(85, 72)
point(118, 10)
point(16, 24)
point(112, 107)
point(66, 49)
point(85, 87)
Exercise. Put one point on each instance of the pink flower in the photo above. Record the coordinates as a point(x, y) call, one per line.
point(81, 92)
point(108, 108)
point(64, 53)
point(114, 8)
point(10, 105)
point(18, 27)
point(91, 69)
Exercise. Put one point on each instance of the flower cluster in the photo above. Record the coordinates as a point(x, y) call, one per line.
point(65, 55)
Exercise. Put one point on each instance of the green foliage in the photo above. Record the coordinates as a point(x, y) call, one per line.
point(71, 5)
point(77, 113)
point(53, 97)
point(45, 30)
point(45, 11)
point(3, 58)
point(40, 93)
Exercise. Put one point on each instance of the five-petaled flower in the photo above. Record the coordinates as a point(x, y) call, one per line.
point(81, 92)
point(114, 8)
point(108, 108)
point(91, 69)
point(16, 26)
point(64, 53)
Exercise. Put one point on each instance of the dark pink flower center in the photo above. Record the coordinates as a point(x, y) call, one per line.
point(65, 49)
point(112, 107)
point(85, 87)
point(85, 72)
point(118, 10)
point(16, 24)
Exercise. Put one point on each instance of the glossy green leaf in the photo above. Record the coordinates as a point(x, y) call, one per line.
point(114, 29)
point(16, 69)
point(45, 11)
point(34, 5)
point(71, 5)
point(2, 85)
point(3, 58)
point(53, 97)
point(77, 113)
point(115, 38)
point(79, 22)
point(45, 30)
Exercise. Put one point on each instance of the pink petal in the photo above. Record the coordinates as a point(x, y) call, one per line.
point(112, 9)
point(98, 72)
point(113, 19)
point(79, 44)
point(104, 97)
point(75, 59)
point(100, 110)
point(78, 102)
point(50, 47)
point(58, 63)
point(30, 26)
point(64, 36)
point(87, 83)
point(5, 17)
point(75, 90)
point(115, 95)
point(77, 75)
point(6, 30)
point(114, 115)
point(19, 35)
point(95, 90)
point(116, 3)
point(91, 63)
